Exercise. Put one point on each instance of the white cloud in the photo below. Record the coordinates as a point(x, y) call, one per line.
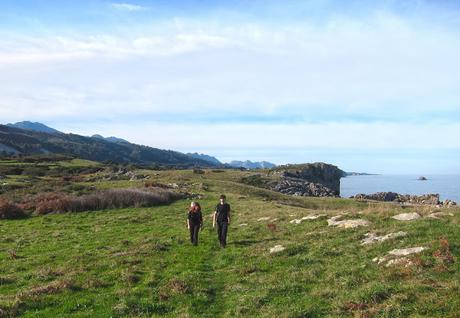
point(385, 67)
point(127, 6)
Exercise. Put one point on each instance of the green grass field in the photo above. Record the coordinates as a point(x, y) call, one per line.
point(138, 262)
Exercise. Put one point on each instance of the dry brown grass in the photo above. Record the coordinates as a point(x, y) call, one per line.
point(9, 210)
point(53, 287)
point(108, 199)
point(173, 287)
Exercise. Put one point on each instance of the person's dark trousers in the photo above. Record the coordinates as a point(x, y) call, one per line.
point(222, 233)
point(194, 229)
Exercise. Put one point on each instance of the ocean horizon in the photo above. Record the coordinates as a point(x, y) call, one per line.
point(447, 186)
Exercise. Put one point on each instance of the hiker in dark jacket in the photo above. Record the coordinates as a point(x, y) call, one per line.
point(222, 218)
point(194, 221)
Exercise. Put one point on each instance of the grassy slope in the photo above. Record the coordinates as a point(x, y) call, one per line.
point(138, 262)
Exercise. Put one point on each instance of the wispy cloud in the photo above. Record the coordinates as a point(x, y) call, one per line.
point(379, 80)
point(127, 6)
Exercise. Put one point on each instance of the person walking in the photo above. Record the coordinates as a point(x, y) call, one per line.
point(222, 218)
point(194, 222)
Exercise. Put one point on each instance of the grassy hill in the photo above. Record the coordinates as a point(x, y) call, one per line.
point(138, 262)
point(28, 142)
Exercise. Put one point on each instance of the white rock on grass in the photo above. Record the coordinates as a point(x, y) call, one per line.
point(308, 217)
point(438, 215)
point(371, 238)
point(398, 256)
point(347, 224)
point(407, 251)
point(313, 217)
point(277, 249)
point(243, 224)
point(265, 218)
point(407, 216)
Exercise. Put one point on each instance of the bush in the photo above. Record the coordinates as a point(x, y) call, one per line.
point(10, 210)
point(108, 199)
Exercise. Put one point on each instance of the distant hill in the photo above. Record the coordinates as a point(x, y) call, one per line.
point(111, 139)
point(251, 165)
point(28, 125)
point(22, 141)
point(208, 158)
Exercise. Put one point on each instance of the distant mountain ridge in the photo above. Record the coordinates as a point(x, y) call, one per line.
point(34, 126)
point(28, 142)
point(202, 156)
point(251, 165)
point(111, 139)
point(62, 143)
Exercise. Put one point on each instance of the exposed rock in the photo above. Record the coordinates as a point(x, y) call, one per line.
point(449, 203)
point(407, 216)
point(308, 217)
point(371, 238)
point(398, 256)
point(347, 224)
point(277, 249)
point(265, 218)
point(430, 199)
point(313, 216)
point(314, 179)
point(407, 251)
point(422, 178)
point(438, 215)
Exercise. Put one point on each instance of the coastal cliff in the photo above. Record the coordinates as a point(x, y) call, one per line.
point(312, 179)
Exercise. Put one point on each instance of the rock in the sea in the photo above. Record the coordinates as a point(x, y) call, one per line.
point(422, 178)
point(277, 249)
point(371, 238)
point(407, 216)
point(347, 224)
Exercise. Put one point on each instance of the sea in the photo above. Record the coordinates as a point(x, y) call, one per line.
point(447, 186)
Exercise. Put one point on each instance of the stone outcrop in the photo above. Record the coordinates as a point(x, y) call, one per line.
point(430, 199)
point(347, 224)
point(277, 249)
point(314, 179)
point(407, 216)
point(308, 217)
point(399, 256)
point(371, 238)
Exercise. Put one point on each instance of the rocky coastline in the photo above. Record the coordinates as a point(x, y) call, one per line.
point(425, 199)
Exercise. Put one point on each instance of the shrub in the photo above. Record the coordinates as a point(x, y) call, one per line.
point(198, 171)
point(10, 210)
point(108, 199)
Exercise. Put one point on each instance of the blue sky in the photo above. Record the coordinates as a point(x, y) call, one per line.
point(367, 85)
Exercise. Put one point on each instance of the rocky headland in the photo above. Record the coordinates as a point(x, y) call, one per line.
point(312, 179)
